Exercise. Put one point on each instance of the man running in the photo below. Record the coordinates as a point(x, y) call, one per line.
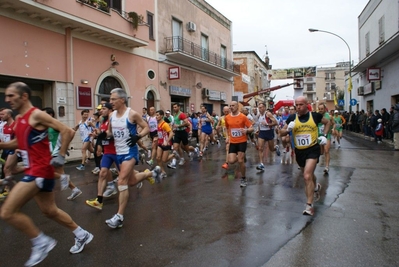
point(32, 141)
point(238, 126)
point(221, 128)
point(153, 124)
point(325, 149)
point(339, 122)
point(303, 125)
point(85, 131)
point(123, 128)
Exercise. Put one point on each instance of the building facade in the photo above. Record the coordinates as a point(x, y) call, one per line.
point(74, 53)
point(375, 79)
point(254, 74)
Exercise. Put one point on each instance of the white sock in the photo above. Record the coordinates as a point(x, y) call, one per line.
point(120, 216)
point(79, 233)
point(39, 239)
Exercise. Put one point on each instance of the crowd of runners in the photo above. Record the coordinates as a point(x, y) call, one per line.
point(114, 135)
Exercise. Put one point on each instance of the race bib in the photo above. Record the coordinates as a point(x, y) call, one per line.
point(118, 134)
point(236, 132)
point(153, 126)
point(25, 158)
point(160, 136)
point(7, 137)
point(303, 140)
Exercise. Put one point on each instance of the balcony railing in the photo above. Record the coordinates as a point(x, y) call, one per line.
point(179, 44)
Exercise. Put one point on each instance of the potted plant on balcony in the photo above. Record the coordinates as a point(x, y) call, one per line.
point(135, 19)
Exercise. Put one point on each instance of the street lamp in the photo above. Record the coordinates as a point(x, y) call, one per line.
point(350, 61)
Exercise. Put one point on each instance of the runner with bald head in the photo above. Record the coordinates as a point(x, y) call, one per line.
point(222, 131)
point(238, 126)
point(304, 129)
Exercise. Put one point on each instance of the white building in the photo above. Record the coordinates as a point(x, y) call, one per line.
point(379, 51)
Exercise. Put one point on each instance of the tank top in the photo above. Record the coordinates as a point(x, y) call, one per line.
point(108, 145)
point(205, 123)
point(84, 130)
point(178, 120)
point(305, 133)
point(121, 129)
point(34, 148)
point(8, 132)
point(163, 133)
point(264, 119)
point(54, 138)
point(321, 125)
point(153, 124)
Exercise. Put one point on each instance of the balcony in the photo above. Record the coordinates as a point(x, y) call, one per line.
point(82, 16)
point(188, 53)
point(329, 78)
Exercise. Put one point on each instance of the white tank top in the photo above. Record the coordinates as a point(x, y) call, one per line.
point(121, 129)
point(263, 119)
point(153, 124)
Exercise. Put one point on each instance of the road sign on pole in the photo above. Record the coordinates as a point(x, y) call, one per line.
point(353, 102)
point(341, 102)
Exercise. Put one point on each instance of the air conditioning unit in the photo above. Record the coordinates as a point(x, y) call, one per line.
point(205, 92)
point(360, 90)
point(191, 27)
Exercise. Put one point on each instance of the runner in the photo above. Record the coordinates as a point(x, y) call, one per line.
point(152, 123)
point(339, 122)
point(206, 123)
point(238, 126)
point(266, 134)
point(221, 128)
point(303, 125)
point(123, 128)
point(325, 149)
point(31, 138)
point(85, 130)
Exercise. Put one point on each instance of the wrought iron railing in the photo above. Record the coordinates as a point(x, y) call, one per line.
point(179, 44)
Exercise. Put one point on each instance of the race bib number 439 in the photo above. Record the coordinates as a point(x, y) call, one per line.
point(303, 140)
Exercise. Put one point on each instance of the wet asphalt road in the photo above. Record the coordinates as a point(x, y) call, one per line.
point(199, 216)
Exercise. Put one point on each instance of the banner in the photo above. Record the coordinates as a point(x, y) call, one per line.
point(350, 85)
point(281, 74)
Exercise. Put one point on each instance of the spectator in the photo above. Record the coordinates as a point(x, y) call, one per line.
point(385, 121)
point(395, 127)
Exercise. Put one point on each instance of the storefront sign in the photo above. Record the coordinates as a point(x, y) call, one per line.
point(174, 73)
point(368, 89)
point(175, 90)
point(374, 74)
point(214, 95)
point(84, 97)
point(223, 96)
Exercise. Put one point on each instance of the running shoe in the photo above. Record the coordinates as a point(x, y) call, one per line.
point(157, 174)
point(80, 243)
point(142, 158)
point(309, 210)
point(81, 167)
point(75, 193)
point(218, 142)
point(260, 167)
point(96, 170)
point(149, 154)
point(243, 182)
point(2, 161)
point(278, 150)
point(64, 181)
point(196, 150)
point(339, 146)
point(149, 179)
point(40, 251)
point(201, 154)
point(326, 170)
point(164, 175)
point(182, 161)
point(110, 191)
point(3, 195)
point(115, 222)
point(172, 164)
point(150, 162)
point(225, 166)
point(94, 204)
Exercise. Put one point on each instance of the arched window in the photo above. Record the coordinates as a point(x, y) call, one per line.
point(107, 85)
point(150, 99)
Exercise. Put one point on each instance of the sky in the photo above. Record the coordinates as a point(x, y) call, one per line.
point(282, 26)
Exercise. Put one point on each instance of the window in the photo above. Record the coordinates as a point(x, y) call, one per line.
point(381, 30)
point(177, 33)
point(330, 75)
point(309, 87)
point(367, 43)
point(204, 47)
point(115, 5)
point(150, 21)
point(223, 54)
point(108, 84)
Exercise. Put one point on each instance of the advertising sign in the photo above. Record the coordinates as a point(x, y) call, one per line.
point(281, 74)
point(84, 97)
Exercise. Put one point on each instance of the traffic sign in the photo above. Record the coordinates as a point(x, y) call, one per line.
point(353, 102)
point(341, 102)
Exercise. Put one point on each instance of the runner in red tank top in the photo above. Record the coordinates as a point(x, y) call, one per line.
point(31, 139)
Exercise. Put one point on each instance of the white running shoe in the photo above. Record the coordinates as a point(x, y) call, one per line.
point(40, 251)
point(80, 243)
point(182, 161)
point(75, 193)
point(96, 170)
point(115, 222)
point(110, 191)
point(149, 154)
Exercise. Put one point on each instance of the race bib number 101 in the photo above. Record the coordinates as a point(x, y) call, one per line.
point(303, 140)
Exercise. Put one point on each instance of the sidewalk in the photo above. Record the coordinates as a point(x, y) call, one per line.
point(361, 228)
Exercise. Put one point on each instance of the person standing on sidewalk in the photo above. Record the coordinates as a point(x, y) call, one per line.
point(38, 183)
point(123, 128)
point(304, 129)
point(395, 127)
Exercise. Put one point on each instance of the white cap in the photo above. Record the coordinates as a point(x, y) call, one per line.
point(379, 120)
point(336, 111)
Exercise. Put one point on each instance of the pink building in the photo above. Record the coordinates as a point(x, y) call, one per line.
point(72, 53)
